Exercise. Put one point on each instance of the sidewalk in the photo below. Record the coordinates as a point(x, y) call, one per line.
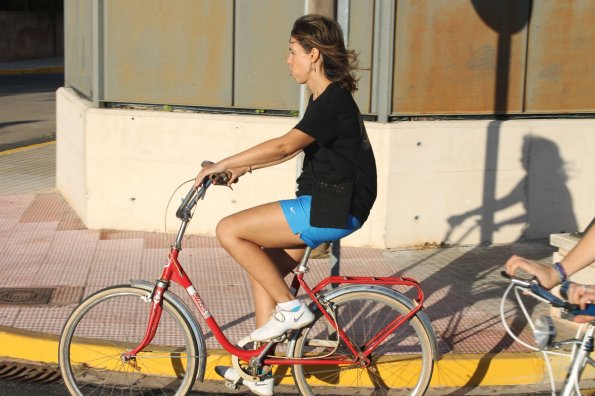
point(47, 250)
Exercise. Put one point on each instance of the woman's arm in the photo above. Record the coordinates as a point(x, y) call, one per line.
point(236, 173)
point(272, 163)
point(582, 254)
point(578, 258)
point(268, 153)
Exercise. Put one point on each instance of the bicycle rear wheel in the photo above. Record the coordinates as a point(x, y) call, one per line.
point(403, 361)
point(113, 321)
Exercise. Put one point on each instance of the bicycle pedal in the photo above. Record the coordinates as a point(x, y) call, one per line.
point(234, 385)
point(281, 338)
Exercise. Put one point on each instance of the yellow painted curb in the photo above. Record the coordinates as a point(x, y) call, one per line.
point(29, 345)
point(31, 146)
point(33, 70)
point(451, 371)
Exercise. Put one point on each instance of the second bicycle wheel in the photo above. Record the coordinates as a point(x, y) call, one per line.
point(403, 361)
point(113, 321)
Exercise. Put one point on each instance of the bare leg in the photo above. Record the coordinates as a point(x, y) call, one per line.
point(264, 304)
point(244, 235)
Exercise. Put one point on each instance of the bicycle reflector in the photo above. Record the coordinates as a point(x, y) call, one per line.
point(544, 332)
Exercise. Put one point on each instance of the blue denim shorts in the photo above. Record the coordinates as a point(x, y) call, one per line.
point(297, 213)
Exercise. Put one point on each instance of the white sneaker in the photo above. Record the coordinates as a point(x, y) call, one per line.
point(281, 322)
point(232, 379)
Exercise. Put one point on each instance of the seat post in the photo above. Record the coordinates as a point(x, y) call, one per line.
point(303, 267)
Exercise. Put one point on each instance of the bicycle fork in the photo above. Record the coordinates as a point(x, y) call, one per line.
point(156, 299)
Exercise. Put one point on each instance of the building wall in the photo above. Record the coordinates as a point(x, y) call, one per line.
point(30, 35)
point(464, 182)
point(449, 181)
point(433, 57)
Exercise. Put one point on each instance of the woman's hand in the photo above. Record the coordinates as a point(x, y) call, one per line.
point(206, 171)
point(581, 295)
point(236, 173)
point(546, 274)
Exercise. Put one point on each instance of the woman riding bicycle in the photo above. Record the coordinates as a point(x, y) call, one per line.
point(582, 255)
point(335, 191)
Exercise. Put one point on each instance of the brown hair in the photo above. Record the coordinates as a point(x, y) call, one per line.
point(325, 34)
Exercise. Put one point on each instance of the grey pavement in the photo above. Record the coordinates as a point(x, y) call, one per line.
point(45, 245)
point(27, 101)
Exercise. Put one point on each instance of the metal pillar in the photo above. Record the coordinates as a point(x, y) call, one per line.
point(382, 60)
point(97, 82)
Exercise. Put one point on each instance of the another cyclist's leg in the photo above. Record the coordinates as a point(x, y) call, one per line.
point(404, 360)
point(244, 235)
point(113, 321)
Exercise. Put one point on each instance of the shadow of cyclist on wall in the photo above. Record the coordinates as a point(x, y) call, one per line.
point(469, 279)
point(542, 192)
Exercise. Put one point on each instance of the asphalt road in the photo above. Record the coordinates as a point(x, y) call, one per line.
point(28, 109)
point(17, 388)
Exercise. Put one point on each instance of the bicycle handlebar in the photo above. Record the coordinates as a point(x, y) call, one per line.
point(536, 289)
point(184, 212)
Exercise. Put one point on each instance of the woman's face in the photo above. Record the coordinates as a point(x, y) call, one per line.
point(299, 62)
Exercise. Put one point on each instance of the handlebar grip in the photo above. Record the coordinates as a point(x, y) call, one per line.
point(220, 178)
point(217, 178)
point(589, 310)
point(539, 291)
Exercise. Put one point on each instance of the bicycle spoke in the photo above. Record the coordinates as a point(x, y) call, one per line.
point(93, 344)
point(402, 360)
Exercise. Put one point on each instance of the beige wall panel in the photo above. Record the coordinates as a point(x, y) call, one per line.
point(78, 45)
point(561, 58)
point(118, 169)
point(261, 75)
point(170, 52)
point(447, 54)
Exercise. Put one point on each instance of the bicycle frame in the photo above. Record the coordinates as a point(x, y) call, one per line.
point(582, 346)
point(173, 271)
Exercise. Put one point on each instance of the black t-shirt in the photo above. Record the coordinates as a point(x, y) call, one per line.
point(333, 119)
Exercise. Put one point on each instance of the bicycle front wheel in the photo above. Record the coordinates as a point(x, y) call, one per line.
point(403, 361)
point(113, 321)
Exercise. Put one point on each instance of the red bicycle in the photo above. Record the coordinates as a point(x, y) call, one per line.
point(141, 338)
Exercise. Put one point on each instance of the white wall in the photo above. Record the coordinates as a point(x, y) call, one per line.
point(118, 168)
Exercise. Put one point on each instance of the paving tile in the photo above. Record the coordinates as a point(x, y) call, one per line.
point(45, 208)
point(13, 206)
point(30, 170)
point(49, 320)
point(8, 315)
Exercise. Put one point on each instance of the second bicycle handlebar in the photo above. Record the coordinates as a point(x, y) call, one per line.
point(536, 289)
